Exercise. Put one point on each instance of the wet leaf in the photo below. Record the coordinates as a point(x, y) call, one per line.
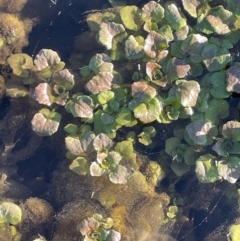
point(229, 169)
point(87, 225)
point(102, 141)
point(80, 166)
point(20, 64)
point(193, 45)
point(80, 106)
point(176, 69)
point(100, 63)
point(113, 236)
point(80, 145)
point(231, 129)
point(206, 170)
point(221, 20)
point(119, 175)
point(101, 82)
point(10, 213)
point(125, 117)
point(64, 79)
point(142, 92)
point(96, 170)
point(16, 91)
point(215, 58)
point(46, 58)
point(217, 110)
point(187, 92)
point(148, 112)
point(191, 6)
point(218, 81)
point(153, 71)
point(233, 79)
point(174, 16)
point(154, 43)
point(45, 122)
point(131, 17)
point(152, 11)
point(105, 96)
point(198, 131)
point(42, 94)
point(108, 31)
point(133, 50)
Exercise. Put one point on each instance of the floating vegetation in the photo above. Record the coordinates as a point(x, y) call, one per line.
point(155, 68)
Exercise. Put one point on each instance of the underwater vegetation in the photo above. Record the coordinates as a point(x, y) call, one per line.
point(157, 65)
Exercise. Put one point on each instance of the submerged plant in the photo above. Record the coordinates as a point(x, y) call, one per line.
point(97, 228)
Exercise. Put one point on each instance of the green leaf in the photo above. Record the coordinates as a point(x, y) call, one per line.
point(176, 69)
point(133, 50)
point(80, 166)
point(215, 58)
point(131, 17)
point(218, 81)
point(180, 168)
point(234, 231)
point(152, 11)
point(71, 129)
point(145, 136)
point(233, 79)
point(142, 92)
point(125, 117)
point(100, 63)
point(198, 131)
point(187, 92)
point(191, 6)
point(193, 45)
point(20, 64)
point(231, 130)
point(16, 90)
point(47, 58)
point(109, 32)
point(45, 122)
point(105, 96)
point(96, 170)
point(125, 149)
point(229, 169)
point(206, 169)
point(101, 82)
point(154, 43)
point(64, 79)
point(174, 16)
point(85, 71)
point(80, 145)
point(148, 112)
point(101, 142)
point(107, 119)
point(217, 110)
point(119, 175)
point(80, 106)
point(10, 213)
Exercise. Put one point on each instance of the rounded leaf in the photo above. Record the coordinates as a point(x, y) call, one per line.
point(10, 213)
point(45, 123)
point(46, 58)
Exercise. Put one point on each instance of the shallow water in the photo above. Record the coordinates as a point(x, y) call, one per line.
point(207, 213)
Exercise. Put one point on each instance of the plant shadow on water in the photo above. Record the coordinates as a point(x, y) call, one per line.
point(207, 212)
